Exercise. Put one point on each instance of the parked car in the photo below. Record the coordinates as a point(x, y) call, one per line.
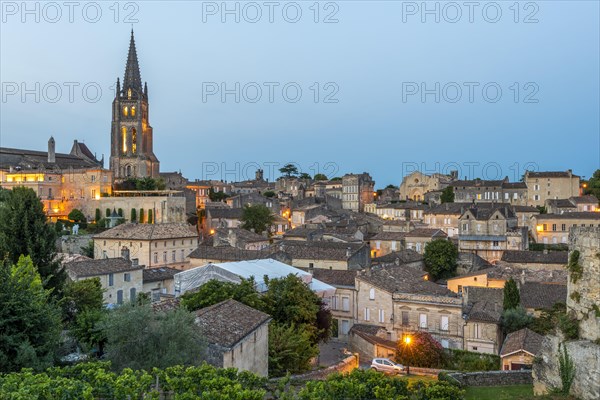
point(387, 366)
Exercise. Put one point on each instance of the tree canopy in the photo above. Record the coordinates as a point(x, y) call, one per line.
point(440, 257)
point(257, 217)
point(320, 177)
point(30, 322)
point(421, 350)
point(512, 297)
point(592, 186)
point(24, 231)
point(447, 195)
point(289, 170)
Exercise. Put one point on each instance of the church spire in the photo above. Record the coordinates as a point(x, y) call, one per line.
point(132, 79)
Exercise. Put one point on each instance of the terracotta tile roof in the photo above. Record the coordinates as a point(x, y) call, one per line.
point(535, 257)
point(227, 253)
point(333, 277)
point(524, 339)
point(539, 295)
point(477, 183)
point(32, 159)
point(134, 231)
point(403, 257)
point(484, 304)
point(587, 199)
point(103, 266)
point(228, 322)
point(390, 236)
point(550, 174)
point(525, 209)
point(226, 213)
point(427, 233)
point(589, 215)
point(159, 274)
point(299, 249)
point(402, 279)
point(449, 208)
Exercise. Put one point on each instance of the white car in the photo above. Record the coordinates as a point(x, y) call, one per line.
point(387, 366)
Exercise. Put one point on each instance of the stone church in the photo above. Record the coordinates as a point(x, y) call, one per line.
point(131, 150)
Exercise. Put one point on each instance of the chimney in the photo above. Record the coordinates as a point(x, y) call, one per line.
point(51, 150)
point(125, 253)
point(348, 252)
point(134, 262)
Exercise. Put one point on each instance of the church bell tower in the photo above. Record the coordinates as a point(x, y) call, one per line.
point(131, 151)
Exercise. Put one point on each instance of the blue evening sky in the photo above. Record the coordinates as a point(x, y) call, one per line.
point(371, 63)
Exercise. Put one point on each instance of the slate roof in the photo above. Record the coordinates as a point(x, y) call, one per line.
point(589, 215)
point(159, 274)
point(550, 174)
point(561, 203)
point(32, 159)
point(524, 339)
point(538, 295)
point(404, 257)
point(484, 304)
point(103, 266)
point(427, 233)
point(333, 277)
point(483, 211)
point(390, 236)
point(535, 257)
point(590, 198)
point(228, 322)
point(134, 231)
point(401, 279)
point(449, 208)
point(226, 213)
point(227, 253)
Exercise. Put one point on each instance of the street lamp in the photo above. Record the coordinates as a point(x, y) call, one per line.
point(407, 340)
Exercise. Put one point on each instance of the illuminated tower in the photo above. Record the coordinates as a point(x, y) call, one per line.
point(131, 151)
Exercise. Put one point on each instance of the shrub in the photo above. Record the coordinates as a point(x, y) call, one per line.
point(468, 361)
point(422, 351)
point(569, 326)
point(566, 369)
point(575, 269)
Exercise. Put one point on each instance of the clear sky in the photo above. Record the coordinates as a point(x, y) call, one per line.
point(385, 87)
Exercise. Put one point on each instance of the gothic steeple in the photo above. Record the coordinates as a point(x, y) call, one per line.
point(132, 79)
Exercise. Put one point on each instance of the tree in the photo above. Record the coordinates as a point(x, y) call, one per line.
point(108, 213)
point(24, 230)
point(216, 196)
point(514, 319)
point(257, 217)
point(440, 258)
point(150, 216)
point(289, 170)
point(80, 296)
point(592, 186)
point(88, 250)
point(140, 338)
point(421, 350)
point(336, 178)
point(304, 175)
point(76, 216)
point(133, 215)
point(512, 298)
point(320, 177)
point(141, 215)
point(215, 291)
point(447, 195)
point(120, 212)
point(391, 186)
point(98, 215)
point(290, 349)
point(269, 194)
point(30, 323)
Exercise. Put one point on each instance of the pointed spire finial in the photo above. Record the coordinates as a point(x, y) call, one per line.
point(132, 79)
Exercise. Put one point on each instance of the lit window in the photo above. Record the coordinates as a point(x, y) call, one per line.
point(133, 111)
point(129, 94)
point(125, 111)
point(133, 138)
point(124, 139)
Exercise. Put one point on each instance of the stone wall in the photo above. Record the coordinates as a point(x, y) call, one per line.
point(347, 365)
point(493, 378)
point(72, 244)
point(583, 301)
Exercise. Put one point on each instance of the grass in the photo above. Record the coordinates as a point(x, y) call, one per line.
point(517, 392)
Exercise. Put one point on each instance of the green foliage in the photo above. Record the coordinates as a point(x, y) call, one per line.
point(269, 194)
point(593, 184)
point(336, 178)
point(468, 361)
point(514, 319)
point(566, 369)
point(361, 384)
point(596, 310)
point(291, 348)
point(547, 322)
point(542, 209)
point(98, 215)
point(569, 326)
point(120, 212)
point(24, 231)
point(422, 351)
point(447, 195)
point(575, 269)
point(108, 213)
point(146, 183)
point(81, 296)
point(214, 291)
point(320, 177)
point(133, 217)
point(141, 215)
point(440, 258)
point(30, 322)
point(216, 196)
point(76, 216)
point(257, 217)
point(576, 297)
point(88, 250)
point(150, 216)
point(304, 175)
point(289, 170)
point(512, 297)
point(139, 338)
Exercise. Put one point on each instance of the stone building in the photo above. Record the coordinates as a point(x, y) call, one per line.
point(482, 311)
point(445, 217)
point(554, 228)
point(401, 300)
point(131, 150)
point(357, 190)
point(545, 185)
point(488, 191)
point(572, 204)
point(160, 245)
point(520, 349)
point(121, 278)
point(583, 303)
point(320, 254)
point(415, 185)
point(237, 336)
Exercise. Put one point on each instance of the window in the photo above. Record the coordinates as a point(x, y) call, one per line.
point(393, 245)
point(476, 331)
point(173, 256)
point(564, 227)
point(334, 302)
point(423, 321)
point(111, 279)
point(544, 227)
point(381, 315)
point(554, 227)
point(405, 318)
point(444, 323)
point(164, 256)
point(345, 303)
point(132, 294)
point(495, 243)
point(445, 343)
point(378, 245)
point(345, 327)
point(124, 139)
point(155, 257)
point(133, 111)
point(127, 277)
point(125, 111)
point(367, 314)
point(104, 255)
point(182, 255)
point(119, 297)
point(459, 288)
point(372, 294)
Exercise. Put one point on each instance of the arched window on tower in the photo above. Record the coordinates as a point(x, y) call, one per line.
point(133, 140)
point(125, 111)
point(129, 94)
point(128, 170)
point(133, 111)
point(124, 139)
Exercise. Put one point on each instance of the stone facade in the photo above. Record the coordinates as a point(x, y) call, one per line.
point(542, 186)
point(493, 378)
point(357, 190)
